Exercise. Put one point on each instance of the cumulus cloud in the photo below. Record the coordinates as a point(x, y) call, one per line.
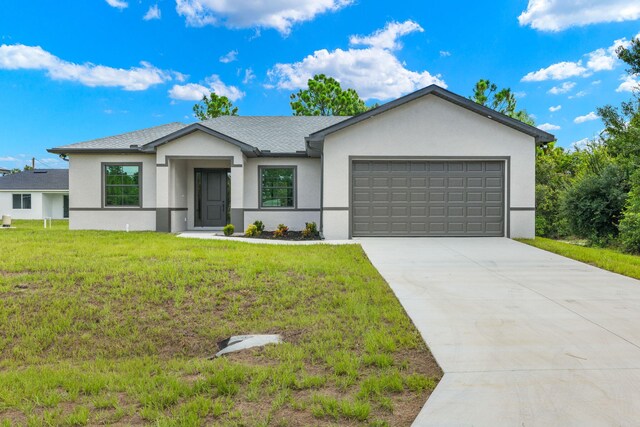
point(387, 37)
point(229, 57)
point(557, 15)
point(195, 91)
point(563, 88)
point(602, 59)
point(118, 4)
point(586, 118)
point(248, 76)
point(445, 53)
point(374, 70)
point(559, 71)
point(153, 13)
point(21, 57)
point(280, 15)
point(556, 108)
point(580, 144)
point(547, 127)
point(629, 84)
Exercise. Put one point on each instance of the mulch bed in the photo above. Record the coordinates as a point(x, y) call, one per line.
point(291, 235)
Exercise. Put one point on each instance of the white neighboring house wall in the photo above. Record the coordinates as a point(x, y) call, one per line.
point(307, 193)
point(429, 127)
point(86, 209)
point(44, 204)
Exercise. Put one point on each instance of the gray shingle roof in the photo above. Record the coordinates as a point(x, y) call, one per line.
point(38, 179)
point(125, 140)
point(278, 134)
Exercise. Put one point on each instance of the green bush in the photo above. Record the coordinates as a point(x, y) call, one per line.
point(252, 231)
point(630, 222)
point(228, 229)
point(593, 205)
point(310, 230)
point(259, 226)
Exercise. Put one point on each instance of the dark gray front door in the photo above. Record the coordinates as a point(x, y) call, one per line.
point(427, 198)
point(211, 198)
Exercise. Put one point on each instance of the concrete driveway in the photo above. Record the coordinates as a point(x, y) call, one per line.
point(525, 337)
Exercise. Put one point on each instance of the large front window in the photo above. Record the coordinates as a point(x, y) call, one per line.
point(277, 187)
point(122, 185)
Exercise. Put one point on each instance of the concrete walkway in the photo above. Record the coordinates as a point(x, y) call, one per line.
point(525, 337)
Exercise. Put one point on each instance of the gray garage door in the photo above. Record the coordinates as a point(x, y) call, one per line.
point(427, 198)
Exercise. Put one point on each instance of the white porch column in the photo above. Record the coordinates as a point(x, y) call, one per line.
point(237, 197)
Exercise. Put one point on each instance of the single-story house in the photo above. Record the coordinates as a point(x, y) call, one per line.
point(35, 194)
point(431, 163)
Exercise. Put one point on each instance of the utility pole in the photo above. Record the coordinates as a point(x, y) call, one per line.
point(33, 163)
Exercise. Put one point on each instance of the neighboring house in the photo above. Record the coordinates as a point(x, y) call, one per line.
point(431, 163)
point(35, 194)
point(4, 171)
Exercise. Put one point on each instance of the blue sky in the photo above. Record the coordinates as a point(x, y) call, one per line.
point(84, 69)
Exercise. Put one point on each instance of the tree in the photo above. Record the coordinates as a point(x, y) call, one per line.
point(325, 97)
point(631, 56)
point(503, 101)
point(214, 106)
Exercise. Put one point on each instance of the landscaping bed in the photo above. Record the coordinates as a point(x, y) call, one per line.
point(290, 235)
point(116, 328)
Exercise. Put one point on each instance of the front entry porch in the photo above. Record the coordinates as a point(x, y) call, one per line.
point(201, 194)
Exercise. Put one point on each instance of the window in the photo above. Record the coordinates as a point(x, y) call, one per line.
point(22, 201)
point(277, 187)
point(122, 185)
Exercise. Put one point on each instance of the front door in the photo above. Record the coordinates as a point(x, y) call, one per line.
point(211, 197)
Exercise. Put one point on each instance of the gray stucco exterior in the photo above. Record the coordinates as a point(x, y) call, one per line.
point(431, 124)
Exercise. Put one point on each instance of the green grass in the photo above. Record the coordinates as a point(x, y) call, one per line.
point(607, 259)
point(110, 327)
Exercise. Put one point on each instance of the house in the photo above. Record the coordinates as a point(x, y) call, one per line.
point(431, 163)
point(4, 171)
point(35, 194)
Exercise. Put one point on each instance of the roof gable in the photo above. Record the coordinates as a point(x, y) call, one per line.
point(539, 135)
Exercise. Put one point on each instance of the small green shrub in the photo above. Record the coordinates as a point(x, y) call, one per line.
point(259, 226)
point(252, 231)
point(281, 231)
point(228, 229)
point(310, 230)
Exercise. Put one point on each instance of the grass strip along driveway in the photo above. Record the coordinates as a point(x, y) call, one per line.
point(607, 259)
point(111, 327)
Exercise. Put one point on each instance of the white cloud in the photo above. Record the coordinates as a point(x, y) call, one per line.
point(596, 82)
point(629, 84)
point(598, 60)
point(374, 72)
point(557, 15)
point(387, 37)
point(21, 57)
point(556, 108)
point(520, 94)
point(548, 127)
point(559, 71)
point(445, 53)
point(8, 159)
point(587, 118)
point(118, 4)
point(229, 57)
point(195, 92)
point(153, 13)
point(563, 88)
point(579, 94)
point(248, 76)
point(580, 144)
point(280, 15)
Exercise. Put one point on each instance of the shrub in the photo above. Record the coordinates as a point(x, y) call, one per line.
point(310, 230)
point(228, 229)
point(630, 222)
point(281, 231)
point(259, 226)
point(252, 231)
point(593, 206)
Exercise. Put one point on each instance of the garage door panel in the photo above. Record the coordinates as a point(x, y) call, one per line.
point(428, 198)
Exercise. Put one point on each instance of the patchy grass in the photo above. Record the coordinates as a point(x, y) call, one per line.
point(607, 259)
point(110, 327)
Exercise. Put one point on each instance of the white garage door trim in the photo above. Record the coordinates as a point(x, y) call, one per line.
point(507, 179)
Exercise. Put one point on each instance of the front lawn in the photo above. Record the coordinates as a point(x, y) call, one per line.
point(607, 259)
point(113, 327)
